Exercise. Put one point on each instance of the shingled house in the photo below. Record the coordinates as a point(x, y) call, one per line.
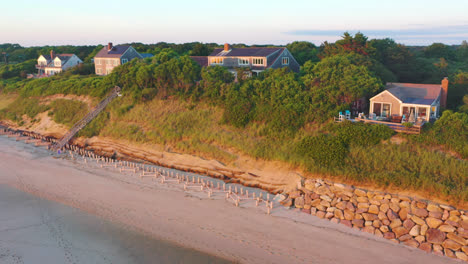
point(111, 56)
point(257, 59)
point(398, 99)
point(48, 65)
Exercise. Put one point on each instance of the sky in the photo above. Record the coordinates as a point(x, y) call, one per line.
point(91, 22)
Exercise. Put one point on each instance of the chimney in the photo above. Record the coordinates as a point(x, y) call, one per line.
point(109, 46)
point(227, 47)
point(52, 55)
point(443, 95)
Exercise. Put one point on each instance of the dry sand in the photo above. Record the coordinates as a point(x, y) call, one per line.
point(244, 234)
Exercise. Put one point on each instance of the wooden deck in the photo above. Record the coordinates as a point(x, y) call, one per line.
point(397, 127)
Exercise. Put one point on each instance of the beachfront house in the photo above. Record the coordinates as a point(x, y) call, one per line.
point(112, 56)
point(48, 65)
point(257, 59)
point(422, 101)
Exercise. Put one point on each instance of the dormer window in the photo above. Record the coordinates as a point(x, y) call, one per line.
point(257, 61)
point(57, 63)
point(124, 61)
point(218, 61)
point(285, 61)
point(243, 62)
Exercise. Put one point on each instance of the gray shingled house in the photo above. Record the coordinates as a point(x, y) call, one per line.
point(111, 56)
point(257, 59)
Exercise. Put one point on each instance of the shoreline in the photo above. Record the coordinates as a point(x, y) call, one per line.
point(207, 224)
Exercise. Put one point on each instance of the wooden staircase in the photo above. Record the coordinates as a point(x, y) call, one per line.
point(88, 118)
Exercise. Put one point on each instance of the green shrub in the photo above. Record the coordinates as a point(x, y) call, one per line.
point(68, 112)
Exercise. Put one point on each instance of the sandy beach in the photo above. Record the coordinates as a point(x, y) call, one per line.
point(244, 234)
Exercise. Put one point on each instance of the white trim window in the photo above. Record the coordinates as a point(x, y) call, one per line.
point(98, 61)
point(217, 61)
point(98, 71)
point(115, 62)
point(257, 61)
point(243, 61)
point(57, 63)
point(124, 61)
point(285, 61)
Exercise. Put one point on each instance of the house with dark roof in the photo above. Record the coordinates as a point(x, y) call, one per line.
point(48, 65)
point(112, 56)
point(257, 59)
point(422, 100)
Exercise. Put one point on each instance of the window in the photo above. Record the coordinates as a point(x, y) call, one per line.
point(257, 61)
point(98, 62)
point(57, 63)
point(243, 62)
point(108, 71)
point(124, 61)
point(285, 61)
point(98, 71)
point(116, 62)
point(217, 61)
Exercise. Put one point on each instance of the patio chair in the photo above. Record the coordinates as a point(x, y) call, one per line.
point(348, 114)
point(341, 117)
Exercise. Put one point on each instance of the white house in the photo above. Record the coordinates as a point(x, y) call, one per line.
point(48, 65)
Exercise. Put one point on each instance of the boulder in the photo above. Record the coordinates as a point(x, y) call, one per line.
point(421, 212)
point(424, 229)
point(461, 255)
point(418, 220)
point(307, 211)
point(341, 205)
point(438, 250)
point(460, 240)
point(405, 237)
point(420, 239)
point(434, 208)
point(346, 223)
point(405, 204)
point(369, 217)
point(395, 223)
point(335, 220)
point(378, 233)
point(465, 249)
point(395, 207)
point(391, 215)
point(315, 202)
point(389, 235)
point(350, 206)
point(399, 231)
point(437, 215)
point(435, 236)
point(426, 247)
point(360, 192)
point(373, 209)
point(299, 202)
point(449, 253)
point(445, 215)
point(450, 244)
point(325, 203)
point(433, 222)
point(295, 194)
point(462, 232)
point(331, 209)
point(369, 229)
point(412, 243)
point(408, 224)
point(464, 224)
point(447, 228)
point(361, 199)
point(348, 215)
point(326, 198)
point(384, 208)
point(329, 215)
point(415, 230)
point(320, 214)
point(358, 223)
point(403, 213)
point(339, 214)
point(368, 223)
point(447, 207)
point(455, 212)
point(382, 216)
point(421, 204)
point(384, 228)
point(385, 222)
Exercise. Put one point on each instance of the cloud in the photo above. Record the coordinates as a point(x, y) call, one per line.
point(414, 34)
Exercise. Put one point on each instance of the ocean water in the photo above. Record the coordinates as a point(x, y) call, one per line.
point(35, 230)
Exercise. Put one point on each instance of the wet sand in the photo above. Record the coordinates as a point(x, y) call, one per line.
point(245, 234)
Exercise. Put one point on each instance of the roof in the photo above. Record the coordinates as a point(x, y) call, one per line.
point(146, 55)
point(245, 52)
point(115, 52)
point(201, 60)
point(414, 93)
